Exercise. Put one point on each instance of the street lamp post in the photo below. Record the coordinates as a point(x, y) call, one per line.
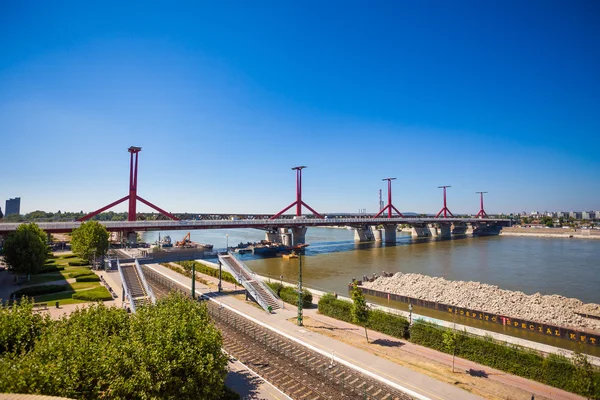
point(410, 314)
point(220, 286)
point(227, 238)
point(300, 316)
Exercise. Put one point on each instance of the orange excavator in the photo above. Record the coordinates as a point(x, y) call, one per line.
point(185, 242)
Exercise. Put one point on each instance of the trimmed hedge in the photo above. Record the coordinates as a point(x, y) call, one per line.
point(50, 268)
point(554, 370)
point(289, 294)
point(390, 324)
point(78, 263)
point(96, 294)
point(88, 278)
point(206, 270)
point(81, 273)
point(39, 290)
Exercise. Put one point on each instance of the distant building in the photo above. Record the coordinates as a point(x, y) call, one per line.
point(575, 214)
point(13, 206)
point(588, 215)
point(597, 215)
point(563, 214)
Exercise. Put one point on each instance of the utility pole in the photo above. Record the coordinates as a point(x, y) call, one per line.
point(300, 319)
point(193, 280)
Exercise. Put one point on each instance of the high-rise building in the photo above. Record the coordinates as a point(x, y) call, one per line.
point(13, 206)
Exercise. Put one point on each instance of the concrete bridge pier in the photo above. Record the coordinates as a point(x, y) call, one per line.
point(363, 233)
point(484, 229)
point(433, 230)
point(131, 237)
point(377, 233)
point(298, 235)
point(390, 233)
point(445, 230)
point(281, 235)
point(459, 228)
point(421, 231)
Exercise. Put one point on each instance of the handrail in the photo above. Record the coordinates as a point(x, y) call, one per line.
point(257, 278)
point(147, 287)
point(244, 283)
point(125, 288)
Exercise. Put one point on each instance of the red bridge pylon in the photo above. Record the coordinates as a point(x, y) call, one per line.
point(298, 203)
point(445, 209)
point(481, 213)
point(132, 196)
point(389, 206)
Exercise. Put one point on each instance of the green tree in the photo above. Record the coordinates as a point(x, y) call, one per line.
point(360, 310)
point(583, 378)
point(451, 338)
point(25, 250)
point(168, 351)
point(90, 239)
point(20, 326)
point(1, 215)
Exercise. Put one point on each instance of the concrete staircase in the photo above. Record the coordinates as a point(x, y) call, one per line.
point(263, 294)
point(135, 287)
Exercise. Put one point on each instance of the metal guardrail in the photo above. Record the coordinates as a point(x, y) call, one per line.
point(125, 288)
point(147, 287)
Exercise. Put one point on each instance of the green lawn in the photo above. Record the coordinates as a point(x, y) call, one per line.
point(66, 296)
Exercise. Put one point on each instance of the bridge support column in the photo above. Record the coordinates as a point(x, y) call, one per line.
point(421, 231)
point(363, 234)
point(433, 230)
point(390, 233)
point(298, 235)
point(445, 231)
point(459, 228)
point(132, 237)
point(483, 229)
point(377, 233)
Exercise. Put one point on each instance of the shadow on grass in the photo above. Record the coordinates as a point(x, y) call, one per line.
point(477, 373)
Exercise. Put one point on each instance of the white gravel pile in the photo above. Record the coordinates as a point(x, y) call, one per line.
point(549, 309)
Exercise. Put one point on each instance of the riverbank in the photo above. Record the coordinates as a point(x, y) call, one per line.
point(548, 309)
point(552, 233)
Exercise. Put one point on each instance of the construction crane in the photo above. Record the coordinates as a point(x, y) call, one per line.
point(186, 241)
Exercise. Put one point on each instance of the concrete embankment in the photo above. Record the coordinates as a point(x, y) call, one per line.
point(548, 309)
point(552, 233)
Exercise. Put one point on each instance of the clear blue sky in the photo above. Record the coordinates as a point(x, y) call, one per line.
point(501, 96)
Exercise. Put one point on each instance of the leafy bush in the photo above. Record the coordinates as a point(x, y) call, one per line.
point(289, 294)
point(171, 350)
point(335, 308)
point(97, 294)
point(206, 270)
point(78, 263)
point(88, 278)
point(19, 326)
point(553, 370)
point(39, 290)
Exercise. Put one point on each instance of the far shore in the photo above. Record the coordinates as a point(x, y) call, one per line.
point(552, 233)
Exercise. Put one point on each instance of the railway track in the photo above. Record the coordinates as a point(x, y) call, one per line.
point(294, 369)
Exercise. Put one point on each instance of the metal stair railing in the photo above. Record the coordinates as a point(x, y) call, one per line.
point(145, 285)
point(256, 278)
point(125, 288)
point(243, 281)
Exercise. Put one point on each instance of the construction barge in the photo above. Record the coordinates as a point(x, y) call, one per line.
point(542, 329)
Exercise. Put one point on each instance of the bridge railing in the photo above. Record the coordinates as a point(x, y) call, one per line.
point(125, 288)
point(147, 287)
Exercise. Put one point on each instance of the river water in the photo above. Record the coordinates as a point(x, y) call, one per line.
point(569, 267)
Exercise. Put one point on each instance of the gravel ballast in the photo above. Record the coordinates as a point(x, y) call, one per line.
point(549, 309)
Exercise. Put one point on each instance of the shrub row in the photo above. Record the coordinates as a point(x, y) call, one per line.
point(390, 324)
point(206, 270)
point(50, 268)
point(81, 273)
point(554, 370)
point(39, 290)
point(88, 278)
point(78, 263)
point(180, 270)
point(97, 294)
point(289, 294)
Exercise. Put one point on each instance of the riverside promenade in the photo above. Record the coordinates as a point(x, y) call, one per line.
point(422, 370)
